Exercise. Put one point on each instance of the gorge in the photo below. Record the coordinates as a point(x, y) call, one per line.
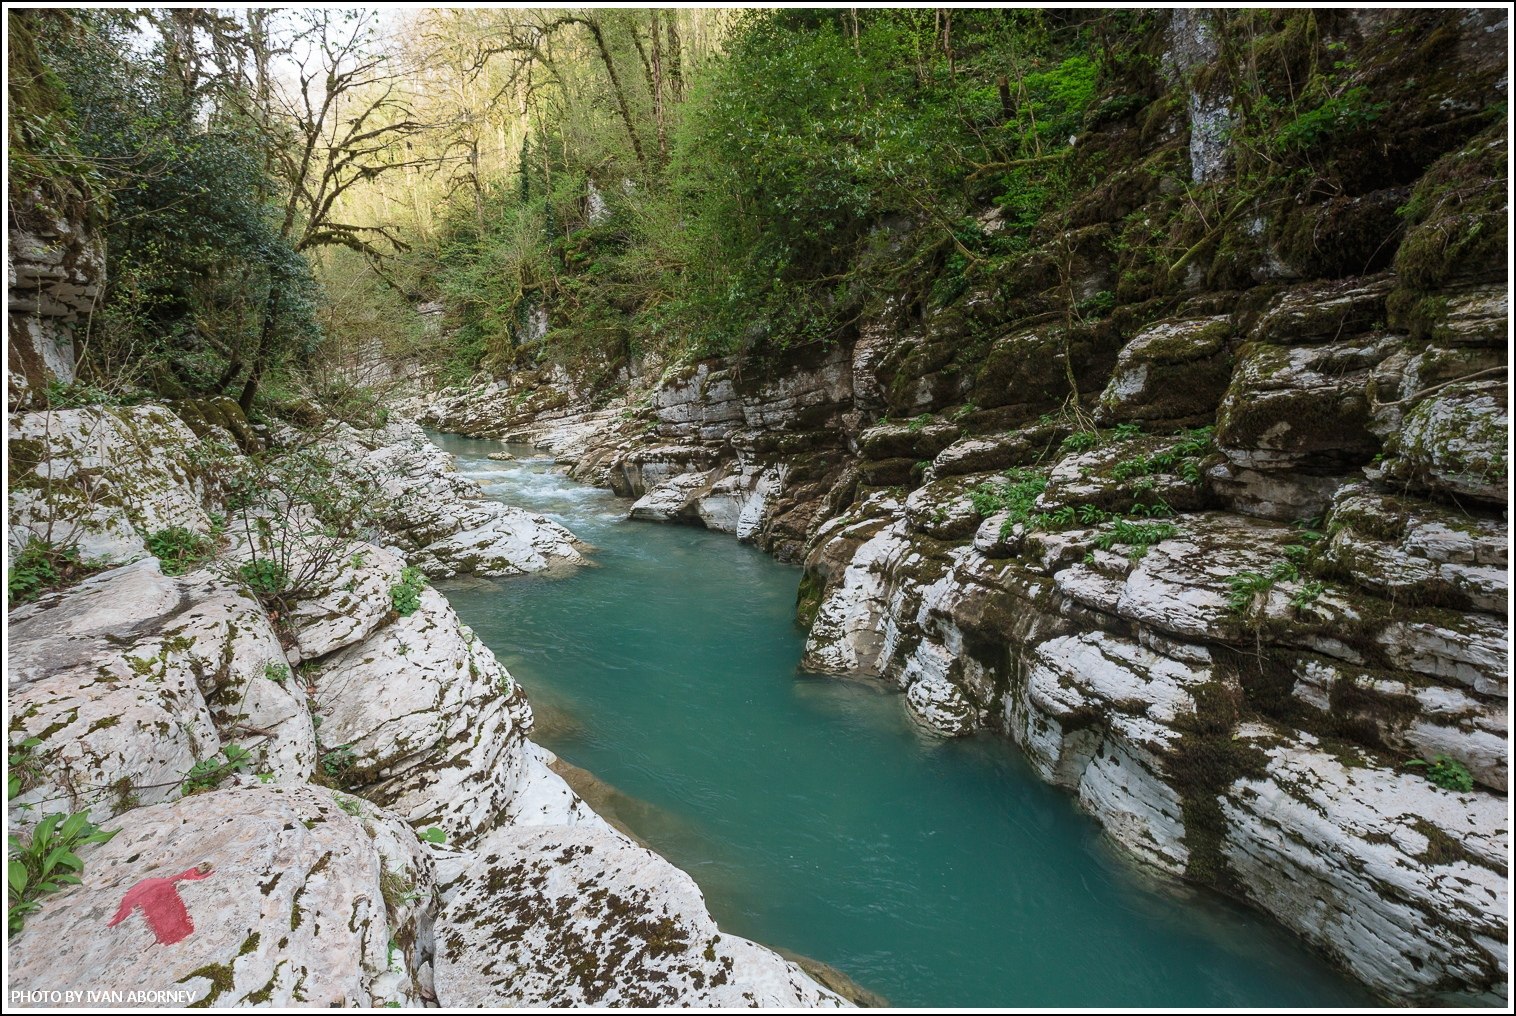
point(937, 508)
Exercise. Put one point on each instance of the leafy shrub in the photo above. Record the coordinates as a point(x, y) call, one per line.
point(178, 549)
point(1445, 772)
point(47, 861)
point(41, 566)
point(405, 595)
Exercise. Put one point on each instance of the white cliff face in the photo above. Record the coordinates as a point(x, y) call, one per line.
point(298, 874)
point(104, 478)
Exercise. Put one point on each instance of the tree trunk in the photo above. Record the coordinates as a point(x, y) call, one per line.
point(620, 93)
point(656, 86)
point(676, 69)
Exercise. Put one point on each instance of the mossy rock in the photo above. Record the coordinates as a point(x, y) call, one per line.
point(1455, 443)
point(1174, 372)
point(213, 417)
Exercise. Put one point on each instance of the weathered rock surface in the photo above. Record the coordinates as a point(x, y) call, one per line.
point(442, 519)
point(290, 896)
point(428, 723)
point(560, 909)
point(103, 478)
point(132, 678)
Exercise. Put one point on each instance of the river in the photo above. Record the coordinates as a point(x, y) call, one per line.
point(813, 813)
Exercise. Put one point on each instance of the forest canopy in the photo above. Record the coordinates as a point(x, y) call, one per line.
point(281, 190)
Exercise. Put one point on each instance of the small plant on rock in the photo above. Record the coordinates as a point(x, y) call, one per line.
point(267, 579)
point(178, 549)
point(1445, 772)
point(208, 773)
point(405, 595)
point(24, 768)
point(41, 566)
point(1244, 589)
point(46, 861)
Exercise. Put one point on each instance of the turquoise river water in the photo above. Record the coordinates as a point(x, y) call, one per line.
point(812, 812)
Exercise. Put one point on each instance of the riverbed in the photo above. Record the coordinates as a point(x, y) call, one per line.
point(813, 813)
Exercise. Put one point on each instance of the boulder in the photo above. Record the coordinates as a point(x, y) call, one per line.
point(273, 896)
point(131, 678)
point(580, 915)
point(421, 719)
point(1455, 443)
point(1172, 372)
point(104, 478)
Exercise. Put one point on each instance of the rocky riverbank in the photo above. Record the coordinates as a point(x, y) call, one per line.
point(323, 795)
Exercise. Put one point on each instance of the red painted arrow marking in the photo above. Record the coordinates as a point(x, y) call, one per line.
point(161, 906)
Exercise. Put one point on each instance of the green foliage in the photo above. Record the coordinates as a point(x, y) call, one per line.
point(1182, 458)
point(827, 159)
point(267, 579)
point(1018, 496)
point(199, 271)
point(1137, 537)
point(405, 595)
point(41, 567)
point(208, 773)
point(294, 553)
point(1336, 117)
point(46, 861)
point(434, 835)
point(276, 671)
point(337, 762)
point(179, 549)
point(23, 768)
point(1080, 441)
point(1445, 772)
point(1244, 589)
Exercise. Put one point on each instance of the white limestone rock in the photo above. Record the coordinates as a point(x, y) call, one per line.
point(847, 635)
point(580, 915)
point(674, 499)
point(132, 677)
point(434, 724)
point(442, 519)
point(350, 603)
point(1098, 715)
point(290, 900)
point(104, 478)
point(1406, 549)
point(1401, 881)
point(1456, 442)
point(1415, 716)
